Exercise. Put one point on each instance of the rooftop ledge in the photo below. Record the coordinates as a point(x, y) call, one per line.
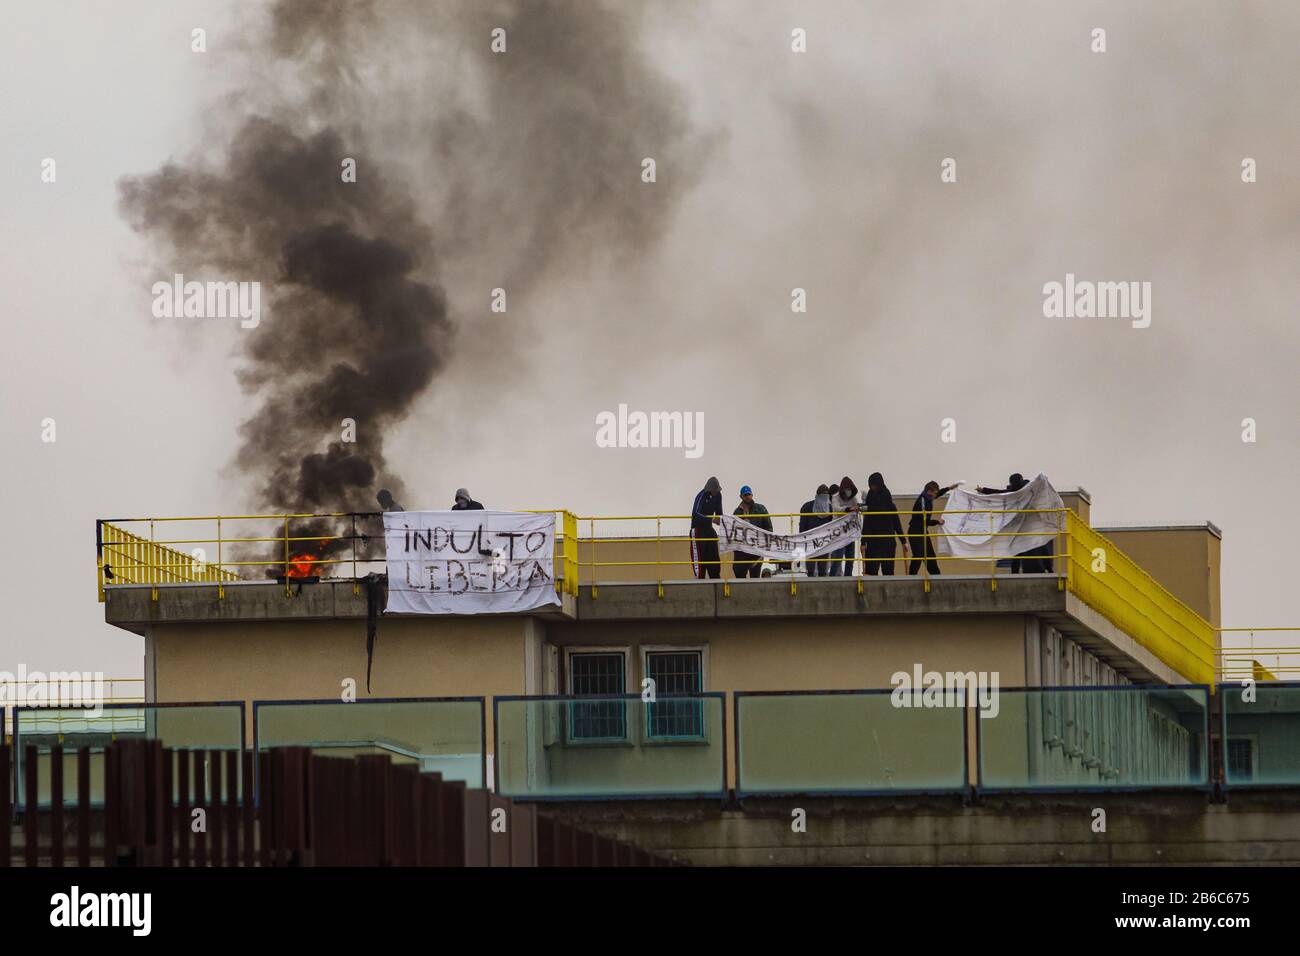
point(1096, 587)
point(134, 608)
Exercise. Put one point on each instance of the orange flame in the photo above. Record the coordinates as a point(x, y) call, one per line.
point(303, 565)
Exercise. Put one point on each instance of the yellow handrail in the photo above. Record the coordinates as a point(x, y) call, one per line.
point(1119, 589)
point(125, 557)
point(1260, 662)
point(1114, 585)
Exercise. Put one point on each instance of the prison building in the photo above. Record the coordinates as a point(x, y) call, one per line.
point(694, 717)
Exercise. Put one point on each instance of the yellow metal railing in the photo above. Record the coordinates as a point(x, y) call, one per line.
point(278, 545)
point(1255, 652)
point(674, 531)
point(1113, 584)
point(1084, 562)
point(117, 690)
point(126, 558)
point(1088, 565)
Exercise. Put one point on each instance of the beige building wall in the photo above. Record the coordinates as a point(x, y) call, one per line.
point(505, 656)
point(308, 660)
point(816, 654)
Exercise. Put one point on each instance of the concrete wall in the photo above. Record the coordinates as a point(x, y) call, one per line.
point(283, 660)
point(773, 653)
point(776, 653)
point(1141, 829)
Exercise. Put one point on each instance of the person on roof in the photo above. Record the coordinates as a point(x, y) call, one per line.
point(743, 563)
point(880, 527)
point(464, 502)
point(814, 514)
point(918, 528)
point(706, 511)
point(1035, 560)
point(844, 498)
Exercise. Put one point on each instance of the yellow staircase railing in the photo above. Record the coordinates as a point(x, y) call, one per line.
point(126, 558)
point(1111, 583)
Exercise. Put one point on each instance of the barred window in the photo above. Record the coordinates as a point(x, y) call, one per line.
point(596, 675)
point(1241, 762)
point(675, 672)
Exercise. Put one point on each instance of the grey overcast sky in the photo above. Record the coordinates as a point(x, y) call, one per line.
point(777, 170)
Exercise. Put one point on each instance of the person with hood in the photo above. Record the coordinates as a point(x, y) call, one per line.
point(464, 502)
point(385, 498)
point(814, 514)
point(743, 563)
point(844, 498)
point(705, 513)
point(880, 527)
point(1035, 559)
point(922, 543)
point(1014, 483)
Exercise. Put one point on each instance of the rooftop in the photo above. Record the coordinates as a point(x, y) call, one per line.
point(232, 568)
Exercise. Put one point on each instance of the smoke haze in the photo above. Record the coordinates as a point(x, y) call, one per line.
point(521, 171)
point(361, 324)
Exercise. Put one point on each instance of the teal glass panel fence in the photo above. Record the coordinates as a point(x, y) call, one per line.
point(1095, 738)
point(1261, 734)
point(437, 734)
point(613, 747)
point(212, 727)
point(847, 742)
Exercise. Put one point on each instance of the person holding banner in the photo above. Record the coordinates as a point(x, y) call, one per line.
point(1014, 483)
point(844, 498)
point(814, 514)
point(705, 513)
point(922, 545)
point(743, 563)
point(1027, 561)
point(880, 527)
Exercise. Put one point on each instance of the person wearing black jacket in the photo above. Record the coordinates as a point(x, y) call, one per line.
point(922, 545)
point(464, 502)
point(744, 564)
point(1013, 484)
point(880, 527)
point(1034, 560)
point(811, 514)
point(814, 514)
point(705, 512)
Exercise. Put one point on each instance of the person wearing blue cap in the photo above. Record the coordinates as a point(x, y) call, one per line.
point(744, 564)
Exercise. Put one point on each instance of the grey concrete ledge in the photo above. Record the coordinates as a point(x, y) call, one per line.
point(1152, 828)
point(814, 597)
point(133, 607)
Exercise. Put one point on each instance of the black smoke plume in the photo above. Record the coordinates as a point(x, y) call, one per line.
point(513, 166)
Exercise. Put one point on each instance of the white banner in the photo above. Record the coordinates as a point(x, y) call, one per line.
point(469, 562)
point(1003, 529)
point(737, 534)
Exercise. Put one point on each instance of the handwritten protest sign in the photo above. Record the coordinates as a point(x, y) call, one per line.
point(736, 534)
point(469, 562)
point(1000, 525)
